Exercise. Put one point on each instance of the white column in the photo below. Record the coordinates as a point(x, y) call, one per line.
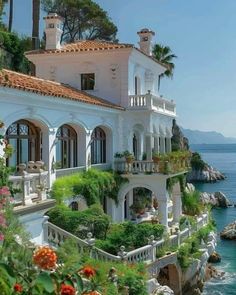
point(156, 144)
point(88, 149)
point(49, 153)
point(177, 202)
point(168, 145)
point(162, 145)
point(130, 200)
point(149, 146)
point(163, 212)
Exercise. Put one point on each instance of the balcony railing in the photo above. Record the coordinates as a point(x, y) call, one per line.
point(149, 167)
point(151, 102)
point(30, 183)
point(55, 236)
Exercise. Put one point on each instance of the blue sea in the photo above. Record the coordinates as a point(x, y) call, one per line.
point(222, 157)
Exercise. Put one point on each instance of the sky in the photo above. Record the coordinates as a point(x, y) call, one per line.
point(202, 33)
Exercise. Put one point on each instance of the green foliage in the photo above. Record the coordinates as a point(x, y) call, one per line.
point(181, 179)
point(94, 185)
point(131, 276)
point(189, 250)
point(130, 235)
point(185, 220)
point(191, 203)
point(196, 162)
point(83, 19)
point(15, 46)
point(79, 223)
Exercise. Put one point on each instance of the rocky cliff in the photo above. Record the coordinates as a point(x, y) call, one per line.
point(206, 174)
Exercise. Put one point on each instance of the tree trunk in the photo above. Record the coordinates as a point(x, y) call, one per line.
point(10, 15)
point(35, 25)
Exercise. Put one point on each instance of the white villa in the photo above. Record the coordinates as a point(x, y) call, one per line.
point(88, 101)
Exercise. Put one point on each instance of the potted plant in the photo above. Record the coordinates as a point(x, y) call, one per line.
point(129, 157)
point(156, 158)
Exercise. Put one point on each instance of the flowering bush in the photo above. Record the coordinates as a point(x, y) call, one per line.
point(45, 258)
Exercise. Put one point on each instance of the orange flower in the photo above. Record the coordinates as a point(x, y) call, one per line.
point(88, 271)
point(67, 290)
point(45, 258)
point(18, 288)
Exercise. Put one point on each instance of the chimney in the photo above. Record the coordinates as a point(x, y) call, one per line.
point(145, 43)
point(53, 30)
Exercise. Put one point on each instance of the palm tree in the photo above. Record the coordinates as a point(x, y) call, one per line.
point(164, 55)
point(10, 15)
point(35, 27)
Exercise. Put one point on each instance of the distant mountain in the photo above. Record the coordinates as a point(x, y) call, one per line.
point(207, 137)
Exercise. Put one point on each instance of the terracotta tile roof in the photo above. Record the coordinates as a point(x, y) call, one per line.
point(46, 87)
point(90, 45)
point(84, 45)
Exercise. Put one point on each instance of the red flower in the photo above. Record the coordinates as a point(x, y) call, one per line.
point(45, 258)
point(18, 288)
point(88, 271)
point(67, 290)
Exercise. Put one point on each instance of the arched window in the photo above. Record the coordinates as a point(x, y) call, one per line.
point(66, 148)
point(98, 146)
point(25, 138)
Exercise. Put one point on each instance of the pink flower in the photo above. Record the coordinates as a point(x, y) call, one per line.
point(2, 220)
point(4, 191)
point(1, 237)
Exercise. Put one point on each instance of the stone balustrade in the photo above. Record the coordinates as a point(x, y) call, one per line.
point(30, 183)
point(55, 236)
point(151, 102)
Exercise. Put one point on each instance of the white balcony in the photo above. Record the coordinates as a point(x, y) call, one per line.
point(151, 102)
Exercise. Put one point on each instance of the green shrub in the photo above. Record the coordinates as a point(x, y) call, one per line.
point(130, 235)
point(79, 223)
point(196, 162)
point(191, 203)
point(94, 185)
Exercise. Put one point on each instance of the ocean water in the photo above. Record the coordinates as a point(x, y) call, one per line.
point(222, 157)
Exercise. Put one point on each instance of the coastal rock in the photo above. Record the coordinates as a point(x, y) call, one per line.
point(217, 199)
point(208, 174)
point(212, 272)
point(214, 258)
point(178, 140)
point(163, 290)
point(229, 232)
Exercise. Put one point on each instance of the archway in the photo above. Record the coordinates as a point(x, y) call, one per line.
point(170, 276)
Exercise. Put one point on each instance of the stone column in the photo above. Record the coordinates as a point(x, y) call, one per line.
point(149, 146)
point(88, 141)
point(168, 145)
point(49, 153)
point(156, 144)
point(177, 202)
point(130, 200)
point(2, 132)
point(163, 212)
point(162, 145)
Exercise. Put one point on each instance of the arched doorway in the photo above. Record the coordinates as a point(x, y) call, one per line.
point(26, 140)
point(98, 146)
point(66, 147)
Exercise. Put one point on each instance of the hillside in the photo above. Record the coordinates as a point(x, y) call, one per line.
point(206, 137)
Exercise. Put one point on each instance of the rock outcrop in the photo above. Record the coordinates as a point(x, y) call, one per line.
point(229, 232)
point(214, 258)
point(179, 141)
point(217, 199)
point(208, 174)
